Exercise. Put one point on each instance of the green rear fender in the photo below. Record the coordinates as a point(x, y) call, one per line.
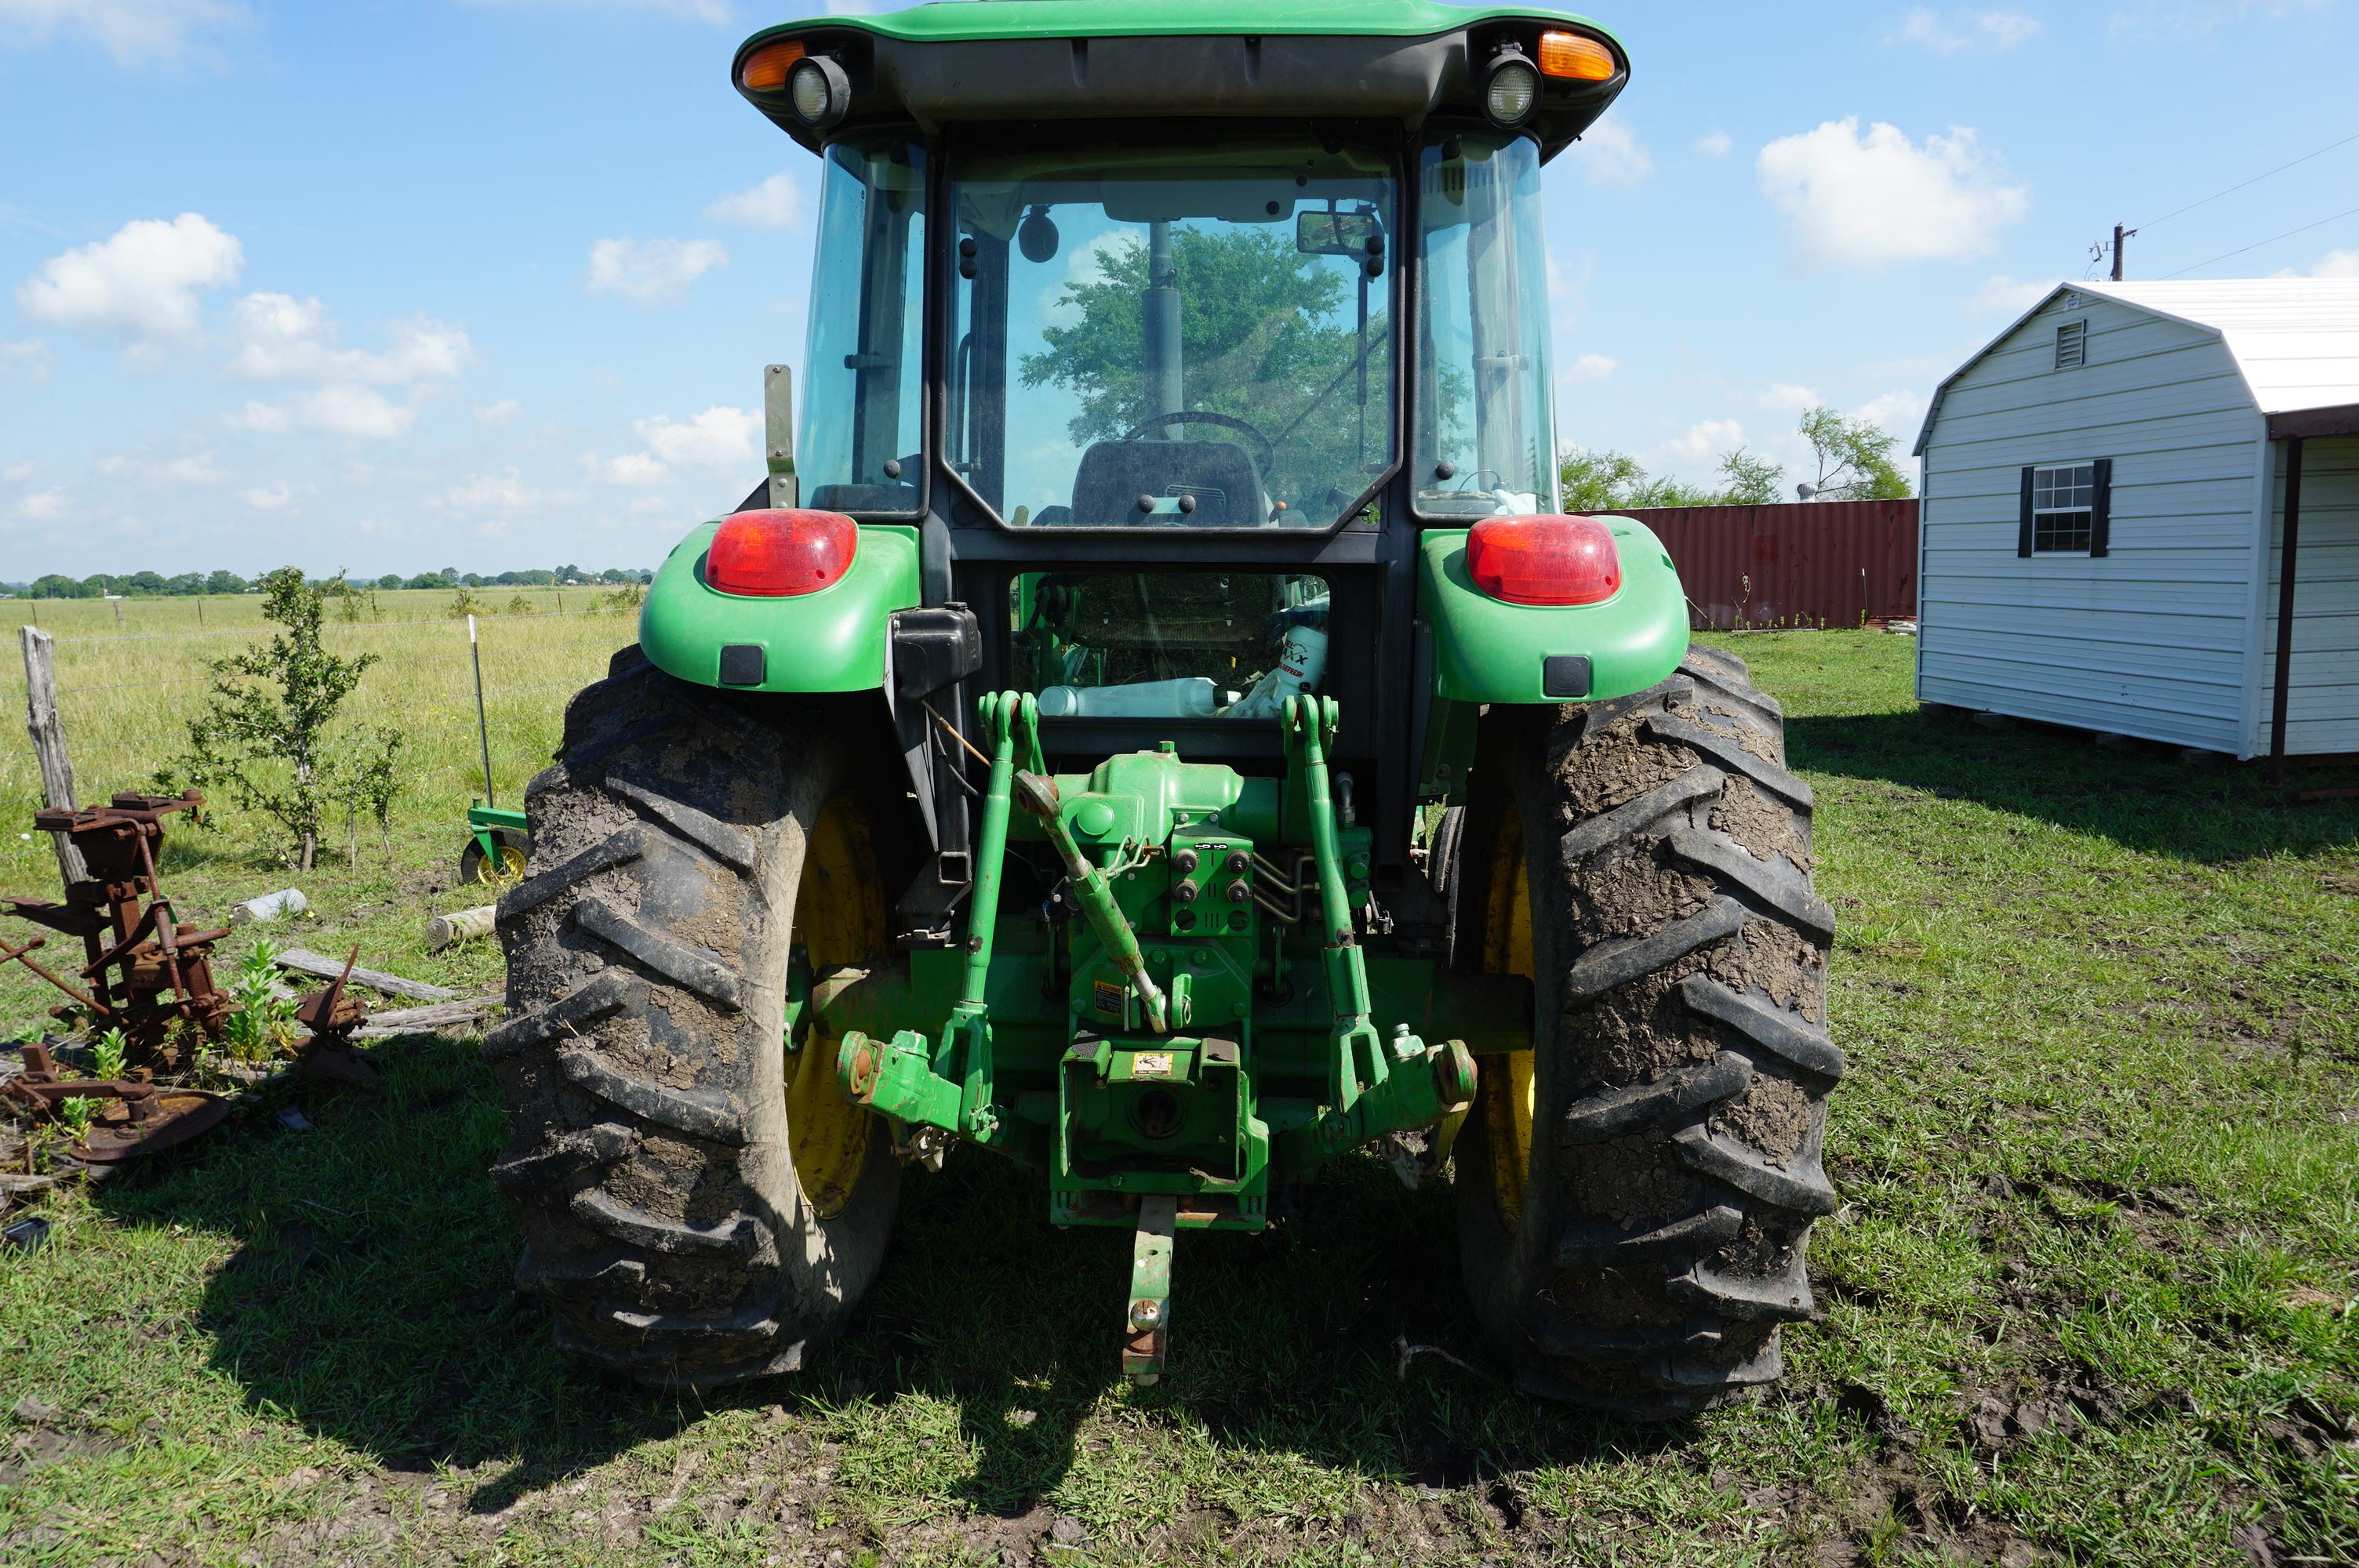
point(833, 640)
point(1485, 650)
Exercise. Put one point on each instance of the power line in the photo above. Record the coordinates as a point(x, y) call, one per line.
point(2256, 245)
point(2280, 168)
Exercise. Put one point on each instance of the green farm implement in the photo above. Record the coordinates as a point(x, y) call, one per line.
point(1152, 724)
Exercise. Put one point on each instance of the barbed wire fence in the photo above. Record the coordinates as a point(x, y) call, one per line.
point(427, 680)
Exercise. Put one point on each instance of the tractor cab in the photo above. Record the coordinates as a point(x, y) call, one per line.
point(1199, 296)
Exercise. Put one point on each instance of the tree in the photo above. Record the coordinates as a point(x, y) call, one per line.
point(390, 579)
point(56, 586)
point(1600, 480)
point(1265, 336)
point(1854, 458)
point(224, 583)
point(265, 737)
point(1752, 481)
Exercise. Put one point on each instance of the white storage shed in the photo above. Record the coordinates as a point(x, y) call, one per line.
point(2125, 490)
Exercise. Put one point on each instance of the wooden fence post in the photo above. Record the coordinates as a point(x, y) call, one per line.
point(50, 741)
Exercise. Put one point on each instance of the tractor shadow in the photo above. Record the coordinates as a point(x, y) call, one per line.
point(368, 1298)
point(1286, 1343)
point(2143, 796)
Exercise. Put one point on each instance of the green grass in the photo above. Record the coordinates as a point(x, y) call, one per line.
point(2089, 1296)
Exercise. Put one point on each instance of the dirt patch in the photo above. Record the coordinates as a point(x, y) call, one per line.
point(1633, 895)
point(1765, 826)
point(1774, 1115)
point(1612, 768)
point(1780, 962)
point(1628, 1180)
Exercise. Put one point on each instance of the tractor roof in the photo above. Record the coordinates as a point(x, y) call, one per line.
point(982, 61)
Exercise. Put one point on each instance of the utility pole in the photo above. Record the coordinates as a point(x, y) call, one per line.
point(2120, 234)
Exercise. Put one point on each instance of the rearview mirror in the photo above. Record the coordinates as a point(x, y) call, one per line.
point(1325, 233)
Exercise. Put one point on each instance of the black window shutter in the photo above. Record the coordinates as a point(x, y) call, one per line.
point(2101, 511)
point(2023, 539)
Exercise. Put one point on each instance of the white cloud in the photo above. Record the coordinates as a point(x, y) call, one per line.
point(277, 337)
point(2335, 263)
point(25, 361)
point(718, 436)
point(43, 505)
point(267, 497)
point(501, 413)
point(656, 272)
point(1786, 396)
point(503, 491)
point(1900, 411)
point(194, 468)
point(1709, 438)
point(1854, 201)
point(651, 505)
point(350, 410)
point(2003, 295)
point(1593, 367)
point(1610, 153)
point(141, 282)
point(773, 204)
point(19, 472)
point(260, 418)
point(635, 467)
point(2000, 28)
point(1713, 143)
point(134, 33)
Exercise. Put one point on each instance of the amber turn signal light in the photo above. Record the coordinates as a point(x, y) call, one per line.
point(1570, 57)
point(766, 69)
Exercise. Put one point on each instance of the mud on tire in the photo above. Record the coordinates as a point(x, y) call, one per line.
point(1634, 1239)
point(643, 1062)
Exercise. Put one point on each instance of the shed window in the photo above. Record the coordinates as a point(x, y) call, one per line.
point(2072, 345)
point(2067, 509)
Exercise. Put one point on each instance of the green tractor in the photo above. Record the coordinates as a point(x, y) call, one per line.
point(1153, 725)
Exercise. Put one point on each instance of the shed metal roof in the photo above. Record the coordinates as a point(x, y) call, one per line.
point(2295, 339)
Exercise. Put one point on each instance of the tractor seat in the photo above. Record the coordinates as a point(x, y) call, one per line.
point(1113, 475)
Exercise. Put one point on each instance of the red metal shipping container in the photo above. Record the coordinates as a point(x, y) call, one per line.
point(1826, 563)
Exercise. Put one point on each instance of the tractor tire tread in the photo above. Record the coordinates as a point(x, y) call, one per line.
point(1786, 893)
point(696, 1113)
point(1658, 1240)
point(1732, 755)
point(1610, 1113)
point(649, 1164)
point(684, 966)
point(568, 1155)
point(732, 845)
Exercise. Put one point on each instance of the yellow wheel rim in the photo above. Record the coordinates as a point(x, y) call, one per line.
point(839, 919)
point(1505, 1086)
point(502, 868)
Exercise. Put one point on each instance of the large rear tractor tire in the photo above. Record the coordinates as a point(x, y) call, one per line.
point(700, 1201)
point(1636, 1192)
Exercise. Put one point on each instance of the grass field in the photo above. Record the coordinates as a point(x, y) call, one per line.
point(2089, 1298)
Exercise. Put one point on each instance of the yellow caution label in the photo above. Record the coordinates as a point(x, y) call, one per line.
point(1151, 1065)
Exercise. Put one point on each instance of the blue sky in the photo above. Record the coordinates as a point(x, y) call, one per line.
point(489, 283)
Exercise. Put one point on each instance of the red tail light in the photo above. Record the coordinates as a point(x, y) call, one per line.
point(775, 552)
point(1544, 560)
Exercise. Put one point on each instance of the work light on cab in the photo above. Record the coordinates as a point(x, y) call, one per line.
point(820, 92)
point(1544, 559)
point(1511, 88)
point(775, 553)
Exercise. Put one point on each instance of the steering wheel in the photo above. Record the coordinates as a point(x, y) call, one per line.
point(1265, 458)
